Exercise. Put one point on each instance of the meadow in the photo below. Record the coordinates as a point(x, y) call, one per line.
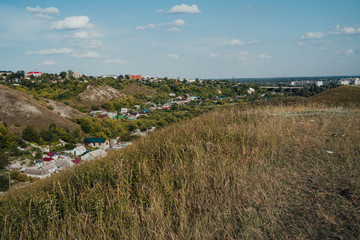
point(271, 171)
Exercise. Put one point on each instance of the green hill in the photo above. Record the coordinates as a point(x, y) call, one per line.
point(340, 96)
point(283, 172)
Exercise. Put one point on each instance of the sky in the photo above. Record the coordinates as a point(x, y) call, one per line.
point(187, 39)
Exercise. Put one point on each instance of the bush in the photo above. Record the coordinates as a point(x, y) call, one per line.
point(30, 134)
point(16, 175)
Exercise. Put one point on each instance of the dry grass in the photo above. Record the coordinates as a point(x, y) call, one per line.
point(260, 173)
point(134, 89)
point(19, 110)
point(348, 96)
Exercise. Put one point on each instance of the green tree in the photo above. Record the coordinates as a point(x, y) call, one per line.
point(38, 155)
point(62, 74)
point(30, 134)
point(4, 160)
point(70, 74)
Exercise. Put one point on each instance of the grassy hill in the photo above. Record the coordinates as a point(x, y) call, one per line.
point(133, 89)
point(341, 96)
point(19, 110)
point(288, 172)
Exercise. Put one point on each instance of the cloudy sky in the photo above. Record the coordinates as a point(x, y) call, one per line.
point(191, 39)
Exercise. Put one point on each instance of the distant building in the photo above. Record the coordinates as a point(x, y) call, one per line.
point(250, 91)
point(319, 83)
point(343, 82)
point(356, 81)
point(136, 77)
point(35, 74)
point(76, 75)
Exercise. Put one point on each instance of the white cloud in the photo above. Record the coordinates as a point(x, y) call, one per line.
point(347, 52)
point(183, 8)
point(49, 10)
point(262, 56)
point(312, 35)
point(116, 60)
point(48, 63)
point(345, 30)
point(242, 56)
point(44, 16)
point(51, 51)
point(253, 42)
point(74, 22)
point(159, 11)
point(173, 55)
point(85, 34)
point(86, 55)
point(149, 26)
point(236, 42)
point(173, 29)
point(227, 56)
point(300, 43)
point(178, 22)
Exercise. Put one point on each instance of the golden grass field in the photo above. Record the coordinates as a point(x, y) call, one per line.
point(240, 172)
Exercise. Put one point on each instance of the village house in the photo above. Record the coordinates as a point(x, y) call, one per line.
point(98, 153)
point(133, 115)
point(124, 110)
point(53, 155)
point(102, 143)
point(166, 106)
point(41, 172)
point(79, 150)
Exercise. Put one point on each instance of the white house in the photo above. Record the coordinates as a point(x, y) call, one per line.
point(78, 150)
point(319, 83)
point(343, 82)
point(124, 110)
point(98, 153)
point(250, 91)
point(41, 172)
point(356, 81)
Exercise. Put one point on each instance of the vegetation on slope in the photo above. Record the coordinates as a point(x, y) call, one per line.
point(267, 172)
point(134, 89)
point(341, 96)
point(20, 110)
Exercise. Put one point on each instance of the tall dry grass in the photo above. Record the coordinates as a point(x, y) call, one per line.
point(259, 173)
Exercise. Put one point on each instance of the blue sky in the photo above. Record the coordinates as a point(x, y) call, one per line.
point(191, 39)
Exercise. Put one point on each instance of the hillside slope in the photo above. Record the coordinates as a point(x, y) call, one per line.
point(64, 110)
point(95, 95)
point(18, 110)
point(133, 89)
point(236, 173)
point(340, 96)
